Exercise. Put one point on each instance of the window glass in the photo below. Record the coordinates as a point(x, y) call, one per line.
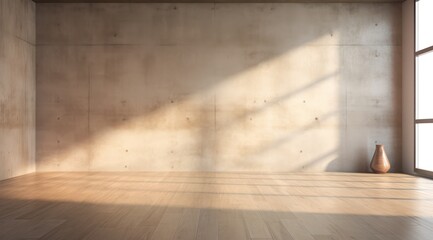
point(424, 150)
point(424, 86)
point(424, 24)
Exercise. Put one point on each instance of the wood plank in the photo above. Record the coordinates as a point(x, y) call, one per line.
point(212, 206)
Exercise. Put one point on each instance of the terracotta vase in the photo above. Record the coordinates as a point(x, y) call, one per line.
point(380, 162)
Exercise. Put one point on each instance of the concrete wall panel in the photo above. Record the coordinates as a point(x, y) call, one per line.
point(217, 87)
point(17, 88)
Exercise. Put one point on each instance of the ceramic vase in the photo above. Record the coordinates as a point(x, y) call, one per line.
point(380, 162)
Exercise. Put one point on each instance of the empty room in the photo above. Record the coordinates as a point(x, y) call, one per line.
point(216, 119)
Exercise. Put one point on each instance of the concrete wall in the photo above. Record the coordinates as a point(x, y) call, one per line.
point(217, 87)
point(408, 84)
point(17, 87)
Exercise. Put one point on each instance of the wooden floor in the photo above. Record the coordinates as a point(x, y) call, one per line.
point(216, 206)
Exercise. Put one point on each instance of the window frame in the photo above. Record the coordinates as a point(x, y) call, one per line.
point(417, 121)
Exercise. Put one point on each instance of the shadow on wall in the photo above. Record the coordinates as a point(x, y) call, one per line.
point(217, 87)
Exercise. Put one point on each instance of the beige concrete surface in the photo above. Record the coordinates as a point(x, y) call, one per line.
point(217, 87)
point(17, 87)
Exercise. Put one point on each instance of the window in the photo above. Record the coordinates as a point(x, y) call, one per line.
point(424, 87)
